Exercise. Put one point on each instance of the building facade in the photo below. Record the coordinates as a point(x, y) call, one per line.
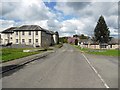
point(28, 35)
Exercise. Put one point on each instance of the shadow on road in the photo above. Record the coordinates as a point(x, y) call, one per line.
point(8, 70)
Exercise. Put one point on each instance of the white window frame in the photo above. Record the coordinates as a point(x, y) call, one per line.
point(36, 40)
point(23, 33)
point(17, 33)
point(30, 40)
point(23, 40)
point(36, 33)
point(29, 32)
point(16, 40)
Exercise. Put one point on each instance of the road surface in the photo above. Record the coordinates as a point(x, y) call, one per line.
point(65, 68)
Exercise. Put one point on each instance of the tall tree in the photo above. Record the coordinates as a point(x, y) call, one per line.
point(101, 32)
point(82, 36)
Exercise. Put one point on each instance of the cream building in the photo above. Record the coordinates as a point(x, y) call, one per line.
point(29, 35)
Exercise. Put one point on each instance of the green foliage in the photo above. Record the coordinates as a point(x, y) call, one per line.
point(105, 52)
point(14, 53)
point(76, 42)
point(101, 31)
point(63, 39)
point(75, 35)
point(82, 36)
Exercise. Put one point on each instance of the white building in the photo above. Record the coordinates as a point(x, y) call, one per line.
point(29, 35)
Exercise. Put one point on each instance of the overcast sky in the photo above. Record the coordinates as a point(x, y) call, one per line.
point(67, 18)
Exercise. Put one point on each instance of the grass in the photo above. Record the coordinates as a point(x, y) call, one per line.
point(59, 45)
point(105, 52)
point(9, 54)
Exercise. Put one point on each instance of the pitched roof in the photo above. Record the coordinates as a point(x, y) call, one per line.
point(49, 32)
point(9, 30)
point(32, 28)
point(28, 27)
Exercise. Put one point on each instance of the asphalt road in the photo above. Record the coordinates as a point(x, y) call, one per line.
point(65, 68)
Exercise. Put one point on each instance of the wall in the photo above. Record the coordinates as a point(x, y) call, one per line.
point(26, 37)
point(6, 38)
point(44, 39)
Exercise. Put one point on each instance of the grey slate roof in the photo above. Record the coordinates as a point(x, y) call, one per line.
point(9, 30)
point(28, 27)
point(49, 32)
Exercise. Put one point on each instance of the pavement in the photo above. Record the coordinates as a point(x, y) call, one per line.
point(22, 61)
point(65, 68)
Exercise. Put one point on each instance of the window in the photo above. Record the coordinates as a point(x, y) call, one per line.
point(29, 32)
point(1, 40)
point(16, 33)
point(111, 46)
point(23, 33)
point(29, 40)
point(36, 32)
point(36, 40)
point(16, 40)
point(23, 40)
point(6, 39)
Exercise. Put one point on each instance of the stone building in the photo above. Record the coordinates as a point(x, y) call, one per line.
point(29, 35)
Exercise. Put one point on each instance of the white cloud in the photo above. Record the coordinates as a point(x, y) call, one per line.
point(26, 10)
point(89, 13)
point(35, 12)
point(4, 24)
point(72, 26)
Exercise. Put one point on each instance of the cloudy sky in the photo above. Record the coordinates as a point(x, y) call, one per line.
point(67, 17)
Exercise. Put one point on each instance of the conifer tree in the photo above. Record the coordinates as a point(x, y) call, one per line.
point(101, 32)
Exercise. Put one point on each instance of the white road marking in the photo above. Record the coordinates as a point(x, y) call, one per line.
point(103, 81)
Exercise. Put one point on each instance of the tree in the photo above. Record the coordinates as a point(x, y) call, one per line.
point(63, 39)
point(101, 32)
point(82, 36)
point(75, 35)
point(76, 41)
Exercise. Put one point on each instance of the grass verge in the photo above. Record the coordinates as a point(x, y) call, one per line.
point(99, 51)
point(9, 54)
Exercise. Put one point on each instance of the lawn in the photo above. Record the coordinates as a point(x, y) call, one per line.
point(14, 53)
point(8, 54)
point(100, 51)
